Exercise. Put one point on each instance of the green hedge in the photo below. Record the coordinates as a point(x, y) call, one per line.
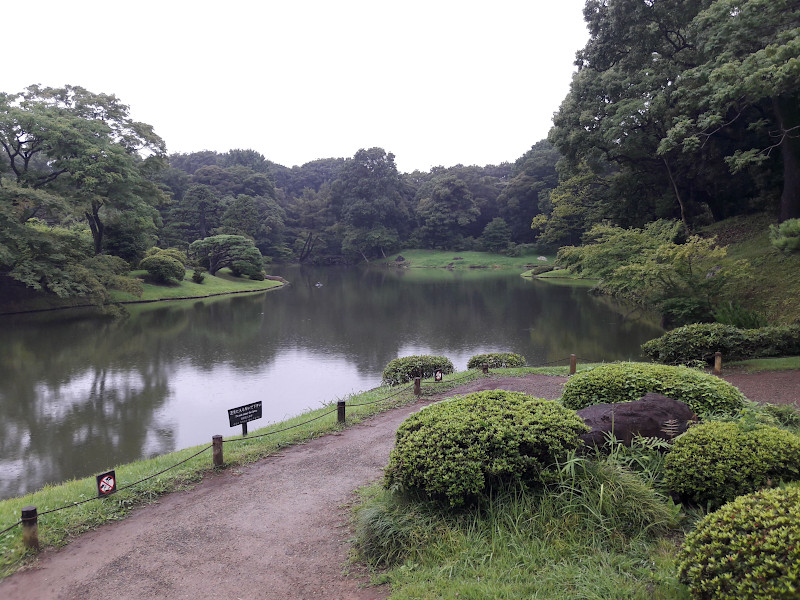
point(714, 462)
point(458, 449)
point(626, 382)
point(701, 340)
point(749, 549)
point(496, 360)
point(406, 368)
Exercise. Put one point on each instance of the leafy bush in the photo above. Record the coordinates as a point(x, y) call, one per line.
point(676, 312)
point(459, 449)
point(714, 462)
point(542, 269)
point(737, 315)
point(403, 369)
point(786, 236)
point(197, 276)
point(626, 382)
point(162, 268)
point(496, 360)
point(701, 341)
point(749, 549)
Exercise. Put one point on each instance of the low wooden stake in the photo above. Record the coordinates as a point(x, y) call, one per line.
point(417, 386)
point(485, 368)
point(30, 528)
point(340, 414)
point(718, 363)
point(573, 364)
point(216, 450)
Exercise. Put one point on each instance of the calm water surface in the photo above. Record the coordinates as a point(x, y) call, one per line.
point(79, 396)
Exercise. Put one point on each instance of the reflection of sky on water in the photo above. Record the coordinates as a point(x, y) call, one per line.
point(298, 380)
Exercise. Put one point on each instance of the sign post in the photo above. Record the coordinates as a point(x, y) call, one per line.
point(244, 414)
point(106, 484)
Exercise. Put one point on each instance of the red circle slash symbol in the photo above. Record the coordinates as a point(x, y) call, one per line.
point(107, 484)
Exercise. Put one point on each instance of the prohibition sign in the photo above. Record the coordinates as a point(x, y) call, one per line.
point(106, 484)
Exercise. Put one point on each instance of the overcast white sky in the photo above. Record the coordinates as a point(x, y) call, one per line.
point(436, 82)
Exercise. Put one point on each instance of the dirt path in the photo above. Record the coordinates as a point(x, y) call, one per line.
point(276, 529)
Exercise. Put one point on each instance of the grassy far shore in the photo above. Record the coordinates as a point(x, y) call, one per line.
point(221, 283)
point(455, 260)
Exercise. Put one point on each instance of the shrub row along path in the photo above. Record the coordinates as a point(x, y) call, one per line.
point(274, 529)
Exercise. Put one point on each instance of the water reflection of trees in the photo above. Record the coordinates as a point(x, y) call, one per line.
point(77, 398)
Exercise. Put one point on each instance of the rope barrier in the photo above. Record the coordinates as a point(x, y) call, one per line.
point(397, 393)
point(7, 529)
point(130, 485)
point(252, 437)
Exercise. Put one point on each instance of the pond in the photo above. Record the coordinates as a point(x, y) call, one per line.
point(80, 395)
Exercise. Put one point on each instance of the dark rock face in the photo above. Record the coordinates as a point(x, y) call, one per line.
point(652, 416)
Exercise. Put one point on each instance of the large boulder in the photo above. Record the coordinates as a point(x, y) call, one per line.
point(652, 416)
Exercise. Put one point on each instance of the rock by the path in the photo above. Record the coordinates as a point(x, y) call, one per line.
point(652, 416)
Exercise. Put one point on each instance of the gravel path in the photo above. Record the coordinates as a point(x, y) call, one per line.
point(276, 529)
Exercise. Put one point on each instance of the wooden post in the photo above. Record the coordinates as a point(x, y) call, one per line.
point(417, 386)
point(30, 527)
point(573, 364)
point(717, 363)
point(485, 368)
point(340, 414)
point(216, 450)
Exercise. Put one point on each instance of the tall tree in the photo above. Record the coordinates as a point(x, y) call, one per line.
point(86, 146)
point(748, 74)
point(444, 214)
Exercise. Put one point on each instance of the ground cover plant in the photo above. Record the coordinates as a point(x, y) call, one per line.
point(625, 382)
point(457, 451)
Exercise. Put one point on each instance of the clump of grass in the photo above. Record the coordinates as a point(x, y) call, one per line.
point(596, 530)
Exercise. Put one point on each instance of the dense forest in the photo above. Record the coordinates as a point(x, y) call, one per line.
point(678, 110)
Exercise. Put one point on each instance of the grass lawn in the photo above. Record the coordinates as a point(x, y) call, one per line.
point(452, 259)
point(222, 283)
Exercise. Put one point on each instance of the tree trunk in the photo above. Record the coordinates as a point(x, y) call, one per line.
point(96, 226)
point(677, 195)
point(787, 112)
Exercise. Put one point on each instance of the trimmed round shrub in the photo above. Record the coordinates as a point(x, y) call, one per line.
point(163, 268)
point(457, 450)
point(626, 382)
point(496, 360)
point(701, 340)
point(406, 368)
point(749, 549)
point(198, 276)
point(714, 462)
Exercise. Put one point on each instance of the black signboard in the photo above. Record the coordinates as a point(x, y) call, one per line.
point(106, 484)
point(244, 414)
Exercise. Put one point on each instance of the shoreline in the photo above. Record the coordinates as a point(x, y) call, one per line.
point(283, 283)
